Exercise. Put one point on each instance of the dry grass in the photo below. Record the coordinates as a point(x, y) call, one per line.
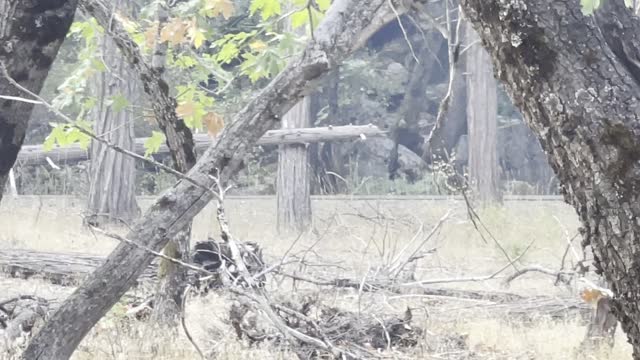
point(355, 238)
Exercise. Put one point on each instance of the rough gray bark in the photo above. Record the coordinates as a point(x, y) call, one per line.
point(172, 278)
point(30, 36)
point(482, 122)
point(293, 188)
point(36, 155)
point(577, 83)
point(112, 184)
point(344, 28)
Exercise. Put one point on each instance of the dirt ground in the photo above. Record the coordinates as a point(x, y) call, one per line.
point(354, 238)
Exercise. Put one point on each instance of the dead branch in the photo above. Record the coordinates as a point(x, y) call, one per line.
point(538, 269)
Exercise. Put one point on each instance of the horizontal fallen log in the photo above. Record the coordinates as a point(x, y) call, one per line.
point(36, 155)
point(67, 269)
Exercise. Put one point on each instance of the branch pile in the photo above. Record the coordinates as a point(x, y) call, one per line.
point(346, 334)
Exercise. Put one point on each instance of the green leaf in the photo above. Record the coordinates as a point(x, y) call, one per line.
point(589, 6)
point(267, 8)
point(228, 52)
point(152, 145)
point(118, 102)
point(300, 18)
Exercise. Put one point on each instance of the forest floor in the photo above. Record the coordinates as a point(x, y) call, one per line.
point(354, 239)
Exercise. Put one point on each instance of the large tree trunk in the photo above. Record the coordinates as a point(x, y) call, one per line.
point(293, 184)
point(30, 36)
point(577, 83)
point(113, 174)
point(482, 112)
point(345, 27)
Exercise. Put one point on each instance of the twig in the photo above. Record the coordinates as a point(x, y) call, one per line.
point(437, 227)
point(155, 253)
point(184, 323)
point(475, 220)
point(535, 268)
point(404, 31)
point(454, 45)
point(470, 279)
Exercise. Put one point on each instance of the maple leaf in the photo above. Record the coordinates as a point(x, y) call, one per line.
point(214, 123)
point(186, 109)
point(591, 296)
point(219, 7)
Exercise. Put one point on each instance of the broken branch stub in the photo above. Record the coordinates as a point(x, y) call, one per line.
point(337, 36)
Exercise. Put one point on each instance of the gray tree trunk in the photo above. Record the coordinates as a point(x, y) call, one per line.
point(113, 174)
point(482, 123)
point(337, 36)
point(577, 81)
point(294, 175)
point(293, 184)
point(30, 36)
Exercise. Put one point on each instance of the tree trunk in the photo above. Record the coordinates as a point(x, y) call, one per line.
point(172, 278)
point(576, 80)
point(113, 174)
point(482, 112)
point(345, 27)
point(30, 36)
point(293, 185)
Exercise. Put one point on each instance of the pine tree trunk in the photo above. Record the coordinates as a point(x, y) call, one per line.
point(113, 174)
point(482, 111)
point(30, 36)
point(293, 183)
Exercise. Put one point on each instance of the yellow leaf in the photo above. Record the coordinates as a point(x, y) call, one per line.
point(219, 7)
point(591, 296)
point(185, 109)
point(214, 123)
point(174, 32)
point(150, 35)
point(258, 45)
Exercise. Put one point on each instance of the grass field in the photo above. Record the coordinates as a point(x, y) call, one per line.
point(350, 238)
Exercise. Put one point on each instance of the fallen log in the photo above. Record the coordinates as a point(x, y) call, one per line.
point(66, 269)
point(36, 155)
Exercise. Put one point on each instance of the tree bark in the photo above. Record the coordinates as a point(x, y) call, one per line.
point(577, 83)
point(482, 123)
point(344, 28)
point(112, 186)
point(293, 189)
point(30, 36)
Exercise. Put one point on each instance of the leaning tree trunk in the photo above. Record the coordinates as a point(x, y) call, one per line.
point(113, 174)
point(337, 36)
point(293, 184)
point(30, 36)
point(577, 81)
point(482, 112)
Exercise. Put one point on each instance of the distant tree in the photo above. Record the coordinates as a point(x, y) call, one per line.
point(482, 122)
point(117, 93)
